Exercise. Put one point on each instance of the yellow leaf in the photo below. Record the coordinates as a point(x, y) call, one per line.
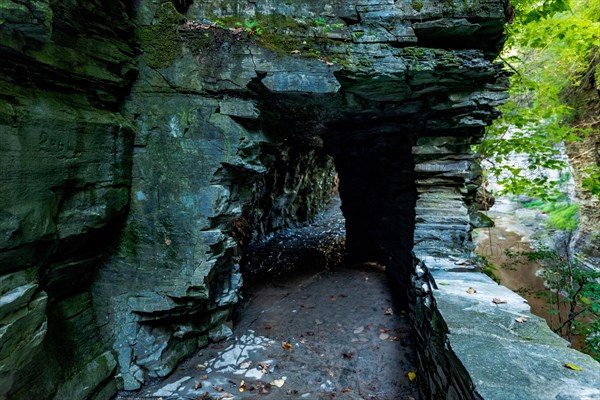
point(286, 345)
point(573, 367)
point(278, 382)
point(411, 376)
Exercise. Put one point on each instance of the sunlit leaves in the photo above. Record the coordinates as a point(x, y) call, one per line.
point(550, 45)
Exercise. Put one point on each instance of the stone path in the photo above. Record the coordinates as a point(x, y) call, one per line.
point(310, 333)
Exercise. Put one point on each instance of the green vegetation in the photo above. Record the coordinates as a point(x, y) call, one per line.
point(327, 26)
point(561, 214)
point(574, 298)
point(417, 5)
point(550, 45)
point(160, 42)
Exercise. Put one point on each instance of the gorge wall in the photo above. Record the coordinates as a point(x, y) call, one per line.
point(144, 143)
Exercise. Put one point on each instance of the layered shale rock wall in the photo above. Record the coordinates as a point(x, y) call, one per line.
point(65, 177)
point(144, 144)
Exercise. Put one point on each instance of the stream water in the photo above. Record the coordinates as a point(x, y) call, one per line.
point(514, 229)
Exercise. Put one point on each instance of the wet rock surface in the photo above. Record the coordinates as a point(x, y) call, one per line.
point(314, 330)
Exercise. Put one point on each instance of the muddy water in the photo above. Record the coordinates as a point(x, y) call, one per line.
point(513, 231)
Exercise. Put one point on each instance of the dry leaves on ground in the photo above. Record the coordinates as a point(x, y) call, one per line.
point(411, 376)
point(278, 382)
point(286, 345)
point(264, 367)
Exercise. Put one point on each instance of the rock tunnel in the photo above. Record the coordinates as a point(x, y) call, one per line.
point(145, 143)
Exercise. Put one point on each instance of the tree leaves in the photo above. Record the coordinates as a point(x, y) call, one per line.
point(549, 46)
point(573, 367)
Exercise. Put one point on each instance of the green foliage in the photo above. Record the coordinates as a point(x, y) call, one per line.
point(251, 27)
point(550, 45)
point(327, 26)
point(574, 298)
point(417, 5)
point(591, 179)
point(561, 214)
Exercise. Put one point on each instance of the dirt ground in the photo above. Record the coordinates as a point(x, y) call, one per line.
point(314, 329)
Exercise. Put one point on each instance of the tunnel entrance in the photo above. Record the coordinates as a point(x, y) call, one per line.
point(314, 322)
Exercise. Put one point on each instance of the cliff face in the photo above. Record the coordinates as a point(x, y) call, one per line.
point(65, 176)
point(126, 202)
point(585, 155)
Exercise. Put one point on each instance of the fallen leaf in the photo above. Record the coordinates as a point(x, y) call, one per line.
point(346, 390)
point(443, 284)
point(389, 311)
point(242, 386)
point(295, 51)
point(278, 382)
point(521, 319)
point(471, 290)
point(264, 367)
point(496, 300)
point(197, 385)
point(286, 346)
point(204, 377)
point(411, 376)
point(573, 367)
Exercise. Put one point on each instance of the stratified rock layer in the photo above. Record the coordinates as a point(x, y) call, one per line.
point(126, 203)
point(65, 174)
